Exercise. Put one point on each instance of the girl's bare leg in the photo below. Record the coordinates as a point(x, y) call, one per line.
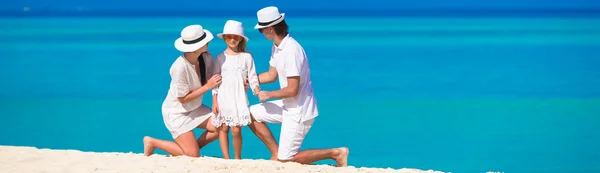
point(224, 140)
point(236, 132)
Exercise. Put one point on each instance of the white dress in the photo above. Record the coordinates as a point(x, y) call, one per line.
point(180, 117)
point(231, 97)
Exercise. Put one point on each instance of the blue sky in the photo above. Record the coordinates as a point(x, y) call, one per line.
point(298, 4)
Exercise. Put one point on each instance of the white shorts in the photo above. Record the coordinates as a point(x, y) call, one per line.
point(292, 132)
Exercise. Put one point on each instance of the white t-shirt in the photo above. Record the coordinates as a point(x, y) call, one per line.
point(290, 60)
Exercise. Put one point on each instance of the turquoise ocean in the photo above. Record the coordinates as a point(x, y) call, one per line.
point(465, 94)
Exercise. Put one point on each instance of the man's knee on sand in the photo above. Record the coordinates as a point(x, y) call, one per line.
point(291, 159)
point(287, 158)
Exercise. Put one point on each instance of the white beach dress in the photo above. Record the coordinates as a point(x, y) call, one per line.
point(180, 117)
point(232, 99)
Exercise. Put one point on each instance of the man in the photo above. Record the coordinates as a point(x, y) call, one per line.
point(297, 107)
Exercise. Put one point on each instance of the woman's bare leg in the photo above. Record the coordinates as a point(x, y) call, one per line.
point(188, 144)
point(224, 140)
point(185, 144)
point(168, 146)
point(209, 135)
point(236, 132)
point(206, 138)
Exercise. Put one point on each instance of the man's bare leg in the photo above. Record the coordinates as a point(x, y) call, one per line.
point(264, 134)
point(340, 155)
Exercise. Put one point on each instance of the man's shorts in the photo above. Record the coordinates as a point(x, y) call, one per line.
point(292, 132)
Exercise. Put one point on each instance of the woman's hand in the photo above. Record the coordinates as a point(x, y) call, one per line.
point(214, 81)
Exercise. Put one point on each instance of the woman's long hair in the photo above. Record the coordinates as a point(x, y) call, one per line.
point(202, 67)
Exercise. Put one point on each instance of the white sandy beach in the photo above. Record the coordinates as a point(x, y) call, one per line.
point(15, 159)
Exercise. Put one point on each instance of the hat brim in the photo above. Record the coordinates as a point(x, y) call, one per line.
point(220, 35)
point(273, 23)
point(179, 45)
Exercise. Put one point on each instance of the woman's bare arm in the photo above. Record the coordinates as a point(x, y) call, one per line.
point(194, 94)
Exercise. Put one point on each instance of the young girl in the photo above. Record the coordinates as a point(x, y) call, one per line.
point(230, 102)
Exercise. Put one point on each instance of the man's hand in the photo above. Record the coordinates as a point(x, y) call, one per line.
point(263, 96)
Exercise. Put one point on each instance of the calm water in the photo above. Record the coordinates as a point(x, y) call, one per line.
point(449, 94)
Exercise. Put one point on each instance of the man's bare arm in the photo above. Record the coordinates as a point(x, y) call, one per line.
point(268, 77)
point(290, 90)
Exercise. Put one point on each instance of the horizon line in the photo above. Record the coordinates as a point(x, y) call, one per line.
point(488, 12)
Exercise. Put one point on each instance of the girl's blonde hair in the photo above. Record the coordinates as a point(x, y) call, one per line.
point(241, 47)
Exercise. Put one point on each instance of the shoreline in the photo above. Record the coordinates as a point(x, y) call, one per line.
point(31, 160)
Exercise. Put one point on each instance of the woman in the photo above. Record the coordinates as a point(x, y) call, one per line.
point(182, 109)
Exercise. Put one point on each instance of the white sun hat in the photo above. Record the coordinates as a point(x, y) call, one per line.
point(193, 37)
point(233, 27)
point(268, 16)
